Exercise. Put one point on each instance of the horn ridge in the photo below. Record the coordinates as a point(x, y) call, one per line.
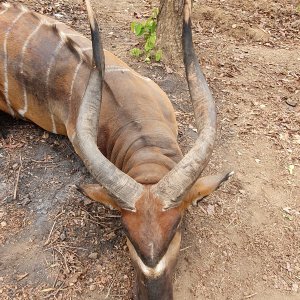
point(119, 185)
point(175, 184)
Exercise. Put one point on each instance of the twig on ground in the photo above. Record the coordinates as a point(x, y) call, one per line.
point(113, 230)
point(183, 249)
point(250, 296)
point(59, 214)
point(108, 216)
point(56, 278)
point(64, 260)
point(49, 236)
point(21, 277)
point(109, 289)
point(72, 247)
point(60, 288)
point(17, 179)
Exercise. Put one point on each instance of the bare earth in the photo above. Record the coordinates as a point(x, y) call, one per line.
point(243, 242)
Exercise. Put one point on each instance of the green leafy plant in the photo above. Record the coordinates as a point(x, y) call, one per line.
point(136, 52)
point(147, 30)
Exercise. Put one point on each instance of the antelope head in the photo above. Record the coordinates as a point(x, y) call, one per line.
point(151, 214)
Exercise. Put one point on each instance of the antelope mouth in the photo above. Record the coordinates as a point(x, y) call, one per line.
point(155, 282)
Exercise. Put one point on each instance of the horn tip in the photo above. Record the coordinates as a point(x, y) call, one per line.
point(228, 175)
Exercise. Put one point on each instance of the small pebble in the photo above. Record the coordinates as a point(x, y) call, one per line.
point(63, 236)
point(210, 209)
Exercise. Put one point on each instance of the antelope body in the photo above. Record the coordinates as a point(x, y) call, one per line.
point(47, 76)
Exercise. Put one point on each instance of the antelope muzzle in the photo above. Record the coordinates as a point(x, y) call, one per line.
point(153, 288)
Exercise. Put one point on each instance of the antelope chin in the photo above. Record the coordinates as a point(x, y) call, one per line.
point(153, 289)
point(154, 283)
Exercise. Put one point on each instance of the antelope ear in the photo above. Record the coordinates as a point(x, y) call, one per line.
point(99, 194)
point(205, 186)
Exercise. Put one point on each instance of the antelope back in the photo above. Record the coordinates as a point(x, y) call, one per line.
point(44, 67)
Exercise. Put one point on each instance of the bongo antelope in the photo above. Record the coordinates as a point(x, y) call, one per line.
point(121, 124)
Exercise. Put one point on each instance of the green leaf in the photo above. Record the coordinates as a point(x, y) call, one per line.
point(138, 29)
point(148, 23)
point(153, 27)
point(154, 13)
point(152, 38)
point(132, 26)
point(158, 55)
point(136, 52)
point(150, 43)
point(148, 46)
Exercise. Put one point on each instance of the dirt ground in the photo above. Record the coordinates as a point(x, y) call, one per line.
point(243, 242)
